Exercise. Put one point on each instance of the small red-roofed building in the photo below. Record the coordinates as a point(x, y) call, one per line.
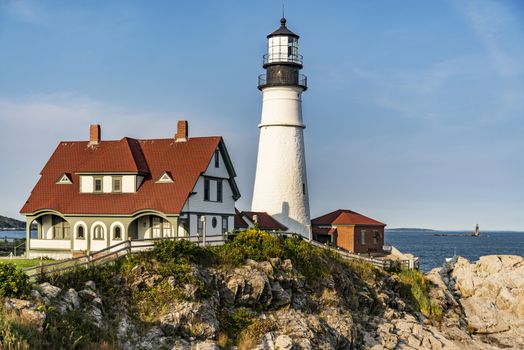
point(264, 221)
point(94, 194)
point(350, 231)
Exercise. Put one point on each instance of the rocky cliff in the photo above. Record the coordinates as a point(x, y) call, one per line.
point(302, 299)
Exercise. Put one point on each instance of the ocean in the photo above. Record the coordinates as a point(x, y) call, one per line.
point(432, 250)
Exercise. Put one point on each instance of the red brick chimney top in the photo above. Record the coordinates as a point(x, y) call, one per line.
point(182, 131)
point(94, 134)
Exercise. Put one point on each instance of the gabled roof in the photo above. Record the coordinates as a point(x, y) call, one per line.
point(124, 155)
point(185, 161)
point(345, 217)
point(265, 221)
point(240, 223)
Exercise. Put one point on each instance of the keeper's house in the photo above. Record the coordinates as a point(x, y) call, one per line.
point(94, 194)
point(350, 231)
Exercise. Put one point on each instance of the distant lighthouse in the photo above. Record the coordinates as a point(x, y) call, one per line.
point(281, 182)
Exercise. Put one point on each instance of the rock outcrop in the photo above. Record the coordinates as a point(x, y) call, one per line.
point(490, 293)
point(482, 303)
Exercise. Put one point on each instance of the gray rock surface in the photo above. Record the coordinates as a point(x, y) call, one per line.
point(483, 307)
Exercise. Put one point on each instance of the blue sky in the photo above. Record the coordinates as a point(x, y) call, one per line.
point(415, 111)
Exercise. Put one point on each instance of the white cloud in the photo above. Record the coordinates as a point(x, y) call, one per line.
point(492, 23)
point(32, 126)
point(24, 10)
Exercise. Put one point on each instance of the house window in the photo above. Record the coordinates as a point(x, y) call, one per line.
point(363, 237)
point(60, 228)
point(166, 230)
point(219, 191)
point(117, 184)
point(80, 234)
point(206, 189)
point(98, 232)
point(97, 184)
point(200, 224)
point(225, 227)
point(214, 222)
point(217, 159)
point(376, 236)
point(118, 233)
point(157, 225)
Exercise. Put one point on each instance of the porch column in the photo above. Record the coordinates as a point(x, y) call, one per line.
point(27, 235)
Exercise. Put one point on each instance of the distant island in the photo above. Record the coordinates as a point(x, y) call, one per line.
point(409, 229)
point(10, 224)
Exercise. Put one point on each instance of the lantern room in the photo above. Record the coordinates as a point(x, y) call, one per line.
point(282, 61)
point(282, 47)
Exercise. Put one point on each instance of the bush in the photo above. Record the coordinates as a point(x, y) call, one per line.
point(416, 288)
point(168, 250)
point(251, 244)
point(13, 281)
point(233, 324)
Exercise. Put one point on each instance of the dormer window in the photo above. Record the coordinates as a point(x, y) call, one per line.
point(97, 184)
point(64, 180)
point(165, 178)
point(117, 184)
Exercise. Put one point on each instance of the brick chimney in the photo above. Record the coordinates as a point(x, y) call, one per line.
point(94, 134)
point(182, 131)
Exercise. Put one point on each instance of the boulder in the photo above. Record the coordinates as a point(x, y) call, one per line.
point(191, 319)
point(48, 291)
point(27, 312)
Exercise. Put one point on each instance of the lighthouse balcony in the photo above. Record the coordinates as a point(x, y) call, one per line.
point(282, 80)
point(282, 58)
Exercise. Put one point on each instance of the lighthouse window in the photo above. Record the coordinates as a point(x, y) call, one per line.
point(303, 188)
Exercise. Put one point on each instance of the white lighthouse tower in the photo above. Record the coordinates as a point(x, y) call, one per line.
point(281, 182)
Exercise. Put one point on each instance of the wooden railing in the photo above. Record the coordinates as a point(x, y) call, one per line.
point(114, 252)
point(381, 263)
point(137, 245)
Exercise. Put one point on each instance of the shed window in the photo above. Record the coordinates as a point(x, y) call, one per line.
point(363, 237)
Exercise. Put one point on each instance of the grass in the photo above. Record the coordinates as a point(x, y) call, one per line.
point(25, 263)
point(415, 288)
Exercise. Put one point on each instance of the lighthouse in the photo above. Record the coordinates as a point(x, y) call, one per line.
point(281, 182)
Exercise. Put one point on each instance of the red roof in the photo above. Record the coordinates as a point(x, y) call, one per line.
point(185, 162)
point(345, 217)
point(265, 221)
point(239, 222)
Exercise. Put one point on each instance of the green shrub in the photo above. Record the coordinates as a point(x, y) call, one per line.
point(13, 281)
point(310, 261)
point(416, 288)
point(169, 250)
point(251, 244)
point(233, 324)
